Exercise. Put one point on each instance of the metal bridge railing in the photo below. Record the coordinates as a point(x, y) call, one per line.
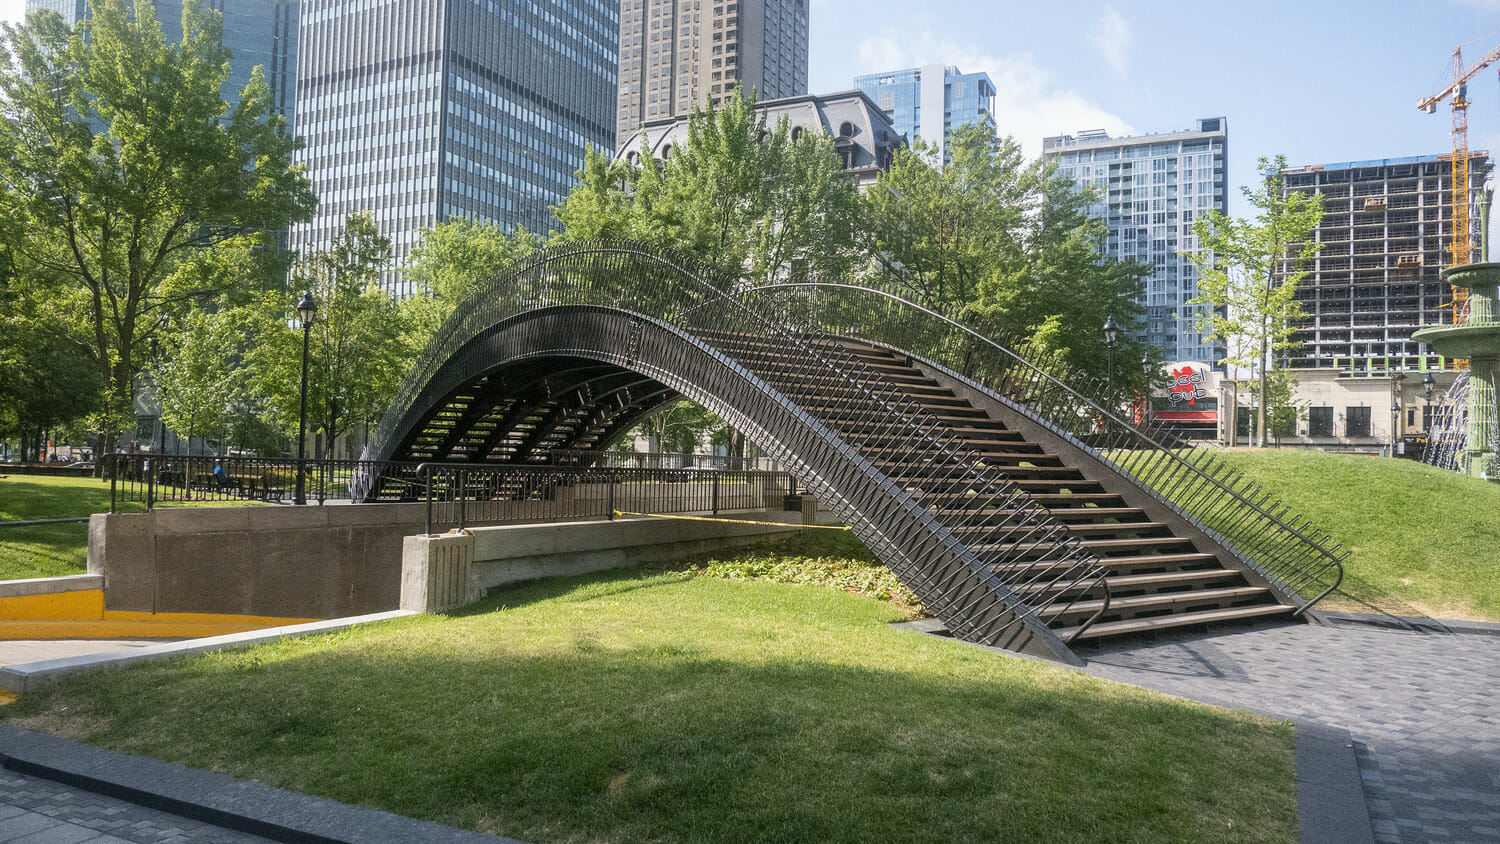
point(1196, 484)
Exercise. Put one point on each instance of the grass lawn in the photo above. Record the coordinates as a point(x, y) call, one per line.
point(58, 549)
point(670, 707)
point(1428, 536)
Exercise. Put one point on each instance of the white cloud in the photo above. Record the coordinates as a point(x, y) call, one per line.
point(1112, 39)
point(1029, 104)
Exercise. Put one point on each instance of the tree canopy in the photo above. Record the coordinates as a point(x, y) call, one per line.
point(122, 169)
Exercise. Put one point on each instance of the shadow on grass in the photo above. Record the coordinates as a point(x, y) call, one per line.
point(667, 741)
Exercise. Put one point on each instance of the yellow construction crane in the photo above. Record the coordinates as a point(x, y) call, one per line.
point(1458, 90)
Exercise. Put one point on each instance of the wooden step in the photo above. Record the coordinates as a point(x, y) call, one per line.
point(1167, 622)
point(1157, 600)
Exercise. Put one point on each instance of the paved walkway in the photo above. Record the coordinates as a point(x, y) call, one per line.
point(1423, 709)
point(39, 811)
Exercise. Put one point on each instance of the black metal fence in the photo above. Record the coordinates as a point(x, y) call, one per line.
point(660, 460)
point(460, 495)
point(455, 494)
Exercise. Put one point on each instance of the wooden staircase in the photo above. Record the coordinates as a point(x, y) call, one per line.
point(1159, 575)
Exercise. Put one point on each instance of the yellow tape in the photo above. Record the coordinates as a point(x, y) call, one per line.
point(730, 521)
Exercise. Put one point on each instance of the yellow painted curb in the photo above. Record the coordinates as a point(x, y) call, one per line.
point(86, 603)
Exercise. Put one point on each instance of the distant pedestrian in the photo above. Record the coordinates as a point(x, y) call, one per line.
point(221, 478)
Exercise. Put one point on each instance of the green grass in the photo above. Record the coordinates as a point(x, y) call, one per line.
point(47, 550)
point(1427, 536)
point(59, 549)
point(668, 707)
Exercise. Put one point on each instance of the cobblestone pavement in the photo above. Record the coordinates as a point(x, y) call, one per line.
point(1423, 710)
point(40, 811)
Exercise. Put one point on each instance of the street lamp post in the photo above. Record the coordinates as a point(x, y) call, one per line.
point(1428, 382)
point(308, 309)
point(1395, 417)
point(1146, 390)
point(1111, 336)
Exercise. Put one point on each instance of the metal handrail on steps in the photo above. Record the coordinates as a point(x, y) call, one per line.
point(1198, 486)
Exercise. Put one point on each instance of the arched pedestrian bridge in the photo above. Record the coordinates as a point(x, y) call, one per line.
point(1022, 514)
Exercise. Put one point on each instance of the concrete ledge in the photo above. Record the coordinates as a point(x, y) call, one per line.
point(514, 553)
point(215, 798)
point(33, 675)
point(1331, 806)
point(50, 585)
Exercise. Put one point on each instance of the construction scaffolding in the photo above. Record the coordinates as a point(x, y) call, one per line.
point(1386, 232)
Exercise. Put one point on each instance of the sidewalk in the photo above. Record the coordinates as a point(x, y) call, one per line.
point(58, 791)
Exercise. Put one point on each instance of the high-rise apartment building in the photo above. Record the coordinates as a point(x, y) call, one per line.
point(1150, 189)
point(419, 111)
point(929, 102)
point(676, 55)
point(256, 32)
point(1386, 233)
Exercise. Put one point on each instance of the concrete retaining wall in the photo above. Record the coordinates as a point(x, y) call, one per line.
point(336, 561)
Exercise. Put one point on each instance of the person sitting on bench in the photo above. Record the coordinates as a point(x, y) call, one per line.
point(221, 478)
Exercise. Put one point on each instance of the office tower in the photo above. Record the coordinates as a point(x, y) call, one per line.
point(1150, 189)
point(1386, 233)
point(676, 55)
point(256, 32)
point(929, 102)
point(862, 134)
point(419, 111)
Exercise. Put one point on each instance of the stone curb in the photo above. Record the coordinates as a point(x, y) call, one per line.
point(216, 798)
point(31, 676)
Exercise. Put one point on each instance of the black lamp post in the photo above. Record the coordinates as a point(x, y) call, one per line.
point(1428, 382)
point(1146, 390)
point(1395, 417)
point(308, 309)
point(1111, 336)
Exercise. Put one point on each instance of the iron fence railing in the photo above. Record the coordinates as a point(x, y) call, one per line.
point(1194, 482)
point(455, 494)
point(152, 479)
point(658, 460)
point(462, 495)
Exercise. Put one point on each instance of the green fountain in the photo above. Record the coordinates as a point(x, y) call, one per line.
point(1479, 341)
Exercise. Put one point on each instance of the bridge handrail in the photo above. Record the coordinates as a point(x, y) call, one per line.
point(1193, 482)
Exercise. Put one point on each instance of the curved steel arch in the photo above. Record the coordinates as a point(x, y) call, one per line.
point(513, 373)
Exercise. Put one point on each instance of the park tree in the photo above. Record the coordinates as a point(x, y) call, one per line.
point(199, 377)
point(46, 381)
point(1249, 271)
point(121, 167)
point(1004, 245)
point(448, 264)
point(738, 194)
point(356, 346)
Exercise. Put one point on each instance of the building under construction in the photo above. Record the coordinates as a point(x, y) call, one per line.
point(1386, 234)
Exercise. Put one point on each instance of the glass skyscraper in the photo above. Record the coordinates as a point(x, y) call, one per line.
point(256, 32)
point(1150, 189)
point(929, 102)
point(419, 111)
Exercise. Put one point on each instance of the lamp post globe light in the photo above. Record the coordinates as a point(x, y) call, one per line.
point(1111, 336)
point(307, 309)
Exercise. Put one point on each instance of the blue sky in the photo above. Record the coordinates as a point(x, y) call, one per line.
point(1320, 81)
